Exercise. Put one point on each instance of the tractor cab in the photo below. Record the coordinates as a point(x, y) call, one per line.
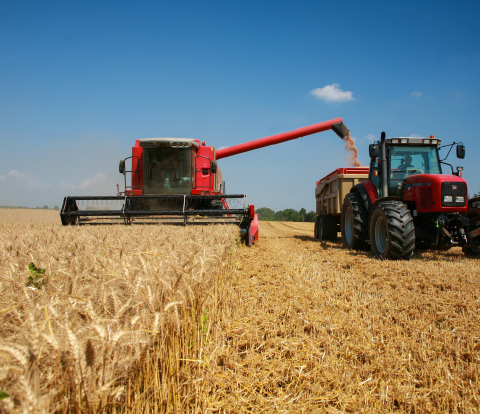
point(405, 157)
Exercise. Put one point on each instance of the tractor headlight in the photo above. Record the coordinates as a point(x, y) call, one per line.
point(459, 199)
point(447, 199)
point(404, 141)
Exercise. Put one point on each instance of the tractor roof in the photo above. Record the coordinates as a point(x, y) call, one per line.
point(413, 141)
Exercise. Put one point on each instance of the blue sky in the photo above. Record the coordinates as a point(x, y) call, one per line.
point(80, 81)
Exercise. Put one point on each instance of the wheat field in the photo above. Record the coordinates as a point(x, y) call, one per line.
point(106, 326)
point(184, 319)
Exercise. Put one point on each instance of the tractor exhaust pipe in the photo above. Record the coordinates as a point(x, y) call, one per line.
point(383, 161)
point(340, 129)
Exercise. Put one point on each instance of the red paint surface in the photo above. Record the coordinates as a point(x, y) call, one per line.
point(204, 179)
point(253, 230)
point(415, 193)
point(371, 190)
point(276, 139)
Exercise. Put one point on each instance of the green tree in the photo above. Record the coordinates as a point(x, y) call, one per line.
point(265, 214)
point(301, 214)
point(310, 217)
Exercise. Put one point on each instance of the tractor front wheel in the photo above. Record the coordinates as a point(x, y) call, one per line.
point(473, 248)
point(354, 222)
point(392, 232)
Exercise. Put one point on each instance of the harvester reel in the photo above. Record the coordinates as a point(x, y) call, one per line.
point(354, 222)
point(392, 232)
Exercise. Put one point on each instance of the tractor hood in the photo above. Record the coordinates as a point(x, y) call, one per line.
point(436, 193)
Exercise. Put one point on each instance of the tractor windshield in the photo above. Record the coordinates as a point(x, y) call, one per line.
point(167, 170)
point(410, 160)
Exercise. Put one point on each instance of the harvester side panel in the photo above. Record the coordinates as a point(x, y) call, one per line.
point(137, 165)
point(203, 175)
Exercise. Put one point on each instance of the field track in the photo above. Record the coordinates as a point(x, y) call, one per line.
point(315, 328)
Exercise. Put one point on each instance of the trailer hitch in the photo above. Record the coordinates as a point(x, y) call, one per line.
point(457, 226)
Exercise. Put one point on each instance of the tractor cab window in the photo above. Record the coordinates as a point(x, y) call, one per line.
point(167, 170)
point(410, 160)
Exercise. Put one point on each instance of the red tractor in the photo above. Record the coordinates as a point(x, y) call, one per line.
point(407, 202)
point(179, 179)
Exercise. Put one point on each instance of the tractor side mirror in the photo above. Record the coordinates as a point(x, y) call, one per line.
point(374, 151)
point(461, 151)
point(214, 167)
point(121, 167)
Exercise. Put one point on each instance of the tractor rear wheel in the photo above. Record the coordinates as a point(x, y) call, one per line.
point(354, 222)
point(327, 228)
point(392, 232)
point(473, 249)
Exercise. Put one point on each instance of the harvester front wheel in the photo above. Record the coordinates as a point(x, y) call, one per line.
point(327, 228)
point(354, 222)
point(392, 232)
point(473, 249)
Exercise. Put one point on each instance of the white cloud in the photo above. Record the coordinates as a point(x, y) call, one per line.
point(24, 180)
point(371, 137)
point(414, 136)
point(416, 94)
point(332, 93)
point(99, 178)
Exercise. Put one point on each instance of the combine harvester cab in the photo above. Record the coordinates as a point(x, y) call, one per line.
point(402, 201)
point(178, 180)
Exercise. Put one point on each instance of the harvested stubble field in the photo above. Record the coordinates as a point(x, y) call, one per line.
point(289, 325)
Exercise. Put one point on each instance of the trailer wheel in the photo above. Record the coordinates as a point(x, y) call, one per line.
point(473, 249)
point(316, 228)
point(392, 232)
point(354, 222)
point(327, 228)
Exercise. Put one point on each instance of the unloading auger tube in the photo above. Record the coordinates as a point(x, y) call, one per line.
point(177, 180)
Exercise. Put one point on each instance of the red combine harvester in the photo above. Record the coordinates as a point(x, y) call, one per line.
point(403, 201)
point(178, 179)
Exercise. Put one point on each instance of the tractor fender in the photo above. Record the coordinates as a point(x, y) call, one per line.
point(368, 192)
point(379, 200)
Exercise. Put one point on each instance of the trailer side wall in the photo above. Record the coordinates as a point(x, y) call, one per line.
point(332, 189)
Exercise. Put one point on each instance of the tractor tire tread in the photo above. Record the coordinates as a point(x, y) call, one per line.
point(360, 222)
point(401, 230)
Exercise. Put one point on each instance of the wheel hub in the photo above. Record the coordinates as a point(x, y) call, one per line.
point(381, 235)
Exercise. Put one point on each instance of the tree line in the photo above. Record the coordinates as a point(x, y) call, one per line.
point(289, 214)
